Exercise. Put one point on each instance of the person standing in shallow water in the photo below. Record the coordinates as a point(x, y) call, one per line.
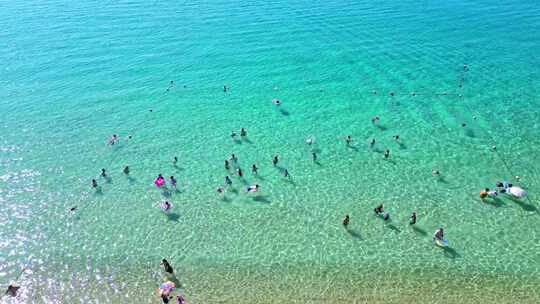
point(275, 161)
point(346, 221)
point(254, 169)
point(126, 170)
point(348, 140)
point(386, 154)
point(94, 184)
point(228, 180)
point(166, 266)
point(314, 156)
point(103, 173)
point(227, 165)
point(413, 219)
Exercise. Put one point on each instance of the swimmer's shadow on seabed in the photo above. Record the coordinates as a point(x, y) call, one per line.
point(289, 180)
point(284, 112)
point(470, 133)
point(247, 140)
point(98, 191)
point(381, 127)
point(494, 201)
point(402, 146)
point(174, 217)
point(225, 199)
point(390, 160)
point(523, 204)
point(355, 149)
point(450, 252)
point(261, 199)
point(441, 179)
point(418, 230)
point(258, 177)
point(355, 234)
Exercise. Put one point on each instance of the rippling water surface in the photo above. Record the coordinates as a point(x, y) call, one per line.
point(73, 73)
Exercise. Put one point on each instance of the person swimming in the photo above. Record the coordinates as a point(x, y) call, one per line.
point(310, 141)
point(413, 219)
point(386, 216)
point(175, 160)
point(286, 173)
point(227, 167)
point(114, 139)
point(372, 143)
point(375, 119)
point(254, 169)
point(239, 172)
point(94, 184)
point(435, 172)
point(484, 193)
point(220, 190)
point(126, 170)
point(379, 209)
point(103, 173)
point(166, 266)
point(348, 140)
point(233, 158)
point(386, 153)
point(275, 161)
point(172, 180)
point(159, 181)
point(276, 101)
point(395, 137)
point(166, 206)
point(314, 156)
point(346, 220)
point(243, 132)
point(438, 235)
point(224, 88)
point(492, 193)
point(253, 188)
point(72, 209)
point(233, 134)
point(228, 180)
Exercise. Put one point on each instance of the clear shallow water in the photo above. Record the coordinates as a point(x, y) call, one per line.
point(74, 73)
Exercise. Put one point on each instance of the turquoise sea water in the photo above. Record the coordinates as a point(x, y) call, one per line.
point(74, 73)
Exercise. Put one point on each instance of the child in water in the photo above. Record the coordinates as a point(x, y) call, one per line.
point(173, 182)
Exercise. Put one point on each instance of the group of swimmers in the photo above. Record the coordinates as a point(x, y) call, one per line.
point(379, 210)
point(505, 188)
point(233, 161)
